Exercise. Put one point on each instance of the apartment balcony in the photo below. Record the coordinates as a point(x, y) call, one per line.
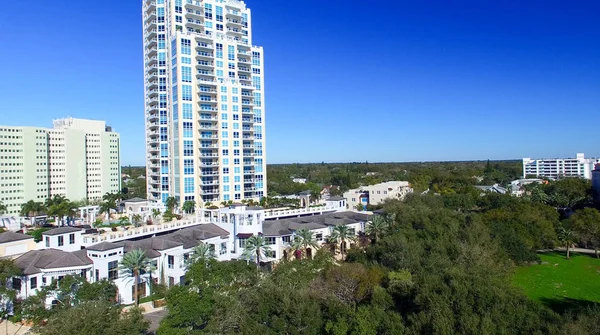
point(202, 46)
point(213, 182)
point(247, 102)
point(152, 93)
point(148, 24)
point(194, 4)
point(154, 158)
point(153, 125)
point(209, 164)
point(207, 127)
point(247, 120)
point(248, 172)
point(202, 64)
point(194, 13)
point(249, 180)
point(234, 14)
point(197, 24)
point(151, 61)
point(150, 16)
point(208, 109)
point(209, 173)
point(234, 31)
point(244, 53)
point(248, 146)
point(209, 146)
point(152, 101)
point(203, 55)
point(206, 154)
point(248, 163)
point(152, 51)
point(208, 137)
point(243, 61)
point(207, 81)
point(249, 189)
point(248, 137)
point(208, 118)
point(248, 129)
point(151, 74)
point(247, 111)
point(152, 118)
point(234, 22)
point(153, 133)
point(149, 6)
point(244, 69)
point(248, 154)
point(205, 73)
point(150, 33)
point(207, 90)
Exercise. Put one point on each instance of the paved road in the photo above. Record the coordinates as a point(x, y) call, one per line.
point(154, 319)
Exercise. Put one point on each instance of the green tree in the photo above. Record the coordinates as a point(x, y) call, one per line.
point(133, 265)
point(189, 206)
point(586, 223)
point(306, 239)
point(155, 213)
point(342, 234)
point(567, 237)
point(136, 218)
point(377, 226)
point(95, 318)
point(8, 270)
point(256, 246)
point(32, 208)
point(200, 253)
point(106, 206)
point(2, 208)
point(171, 203)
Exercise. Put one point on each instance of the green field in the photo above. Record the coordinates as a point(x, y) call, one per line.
point(558, 278)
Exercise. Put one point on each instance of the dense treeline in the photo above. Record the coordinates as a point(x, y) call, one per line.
point(441, 266)
point(423, 176)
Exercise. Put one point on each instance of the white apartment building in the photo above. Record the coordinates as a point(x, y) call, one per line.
point(72, 251)
point(560, 167)
point(205, 102)
point(78, 159)
point(376, 194)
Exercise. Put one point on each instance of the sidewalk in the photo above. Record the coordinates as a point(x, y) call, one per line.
point(13, 328)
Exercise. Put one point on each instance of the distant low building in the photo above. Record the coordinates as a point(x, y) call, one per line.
point(376, 194)
point(517, 188)
point(560, 167)
point(14, 244)
point(492, 189)
point(299, 180)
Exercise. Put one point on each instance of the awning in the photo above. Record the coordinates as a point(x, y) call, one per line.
point(244, 235)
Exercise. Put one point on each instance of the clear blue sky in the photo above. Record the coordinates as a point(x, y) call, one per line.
point(379, 80)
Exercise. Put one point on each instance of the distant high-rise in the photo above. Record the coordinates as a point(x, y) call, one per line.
point(560, 167)
point(78, 159)
point(204, 106)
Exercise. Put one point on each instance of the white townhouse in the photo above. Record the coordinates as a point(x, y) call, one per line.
point(64, 238)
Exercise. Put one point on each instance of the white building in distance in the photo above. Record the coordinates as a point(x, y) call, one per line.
point(555, 168)
point(78, 159)
point(376, 194)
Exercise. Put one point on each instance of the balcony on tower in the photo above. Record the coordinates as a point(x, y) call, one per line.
point(194, 4)
point(234, 14)
point(204, 55)
point(195, 23)
point(149, 6)
point(150, 61)
point(204, 64)
point(194, 13)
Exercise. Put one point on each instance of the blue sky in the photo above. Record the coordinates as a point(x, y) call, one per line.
point(379, 80)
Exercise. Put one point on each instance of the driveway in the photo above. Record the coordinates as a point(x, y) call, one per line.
point(154, 319)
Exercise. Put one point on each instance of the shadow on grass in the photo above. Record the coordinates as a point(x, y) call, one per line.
point(568, 305)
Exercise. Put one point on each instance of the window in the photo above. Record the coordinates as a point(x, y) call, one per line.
point(71, 238)
point(186, 92)
point(113, 270)
point(16, 284)
point(319, 237)
point(186, 74)
point(242, 242)
point(223, 248)
point(171, 280)
point(287, 239)
point(33, 282)
point(270, 240)
point(47, 242)
point(170, 264)
point(61, 241)
point(188, 184)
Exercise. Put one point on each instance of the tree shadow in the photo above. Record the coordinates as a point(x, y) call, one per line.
point(569, 305)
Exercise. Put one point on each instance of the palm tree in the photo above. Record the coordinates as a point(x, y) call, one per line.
point(296, 247)
point(136, 218)
point(189, 206)
point(105, 207)
point(341, 233)
point(256, 245)
point(31, 208)
point(566, 237)
point(201, 253)
point(306, 239)
point(155, 213)
point(134, 264)
point(2, 208)
point(378, 225)
point(171, 203)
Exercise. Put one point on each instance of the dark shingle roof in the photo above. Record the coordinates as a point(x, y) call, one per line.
point(336, 198)
point(34, 261)
point(9, 236)
point(134, 200)
point(192, 236)
point(254, 208)
point(104, 246)
point(61, 230)
point(287, 226)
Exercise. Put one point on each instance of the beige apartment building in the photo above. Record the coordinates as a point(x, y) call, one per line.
point(376, 194)
point(77, 158)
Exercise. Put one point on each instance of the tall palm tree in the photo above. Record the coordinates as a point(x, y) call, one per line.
point(105, 207)
point(32, 208)
point(171, 203)
point(306, 239)
point(136, 218)
point(296, 247)
point(377, 226)
point(341, 233)
point(256, 245)
point(189, 206)
point(566, 237)
point(155, 213)
point(200, 253)
point(134, 264)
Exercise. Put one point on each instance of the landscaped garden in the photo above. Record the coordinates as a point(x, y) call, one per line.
point(559, 279)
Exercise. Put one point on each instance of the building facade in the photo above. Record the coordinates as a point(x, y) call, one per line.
point(78, 159)
point(204, 102)
point(376, 194)
point(554, 168)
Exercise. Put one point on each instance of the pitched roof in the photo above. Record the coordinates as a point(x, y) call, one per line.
point(336, 198)
point(104, 246)
point(192, 236)
point(61, 230)
point(34, 261)
point(9, 236)
point(135, 200)
point(283, 227)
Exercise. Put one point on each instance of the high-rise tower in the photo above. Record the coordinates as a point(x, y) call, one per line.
point(204, 106)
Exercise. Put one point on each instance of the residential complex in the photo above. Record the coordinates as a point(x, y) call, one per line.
point(376, 194)
point(554, 168)
point(96, 255)
point(78, 159)
point(205, 103)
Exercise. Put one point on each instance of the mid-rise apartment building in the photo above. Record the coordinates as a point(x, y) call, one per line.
point(77, 158)
point(560, 167)
point(205, 103)
point(376, 194)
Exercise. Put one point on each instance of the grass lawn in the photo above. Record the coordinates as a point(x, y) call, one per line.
point(558, 278)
